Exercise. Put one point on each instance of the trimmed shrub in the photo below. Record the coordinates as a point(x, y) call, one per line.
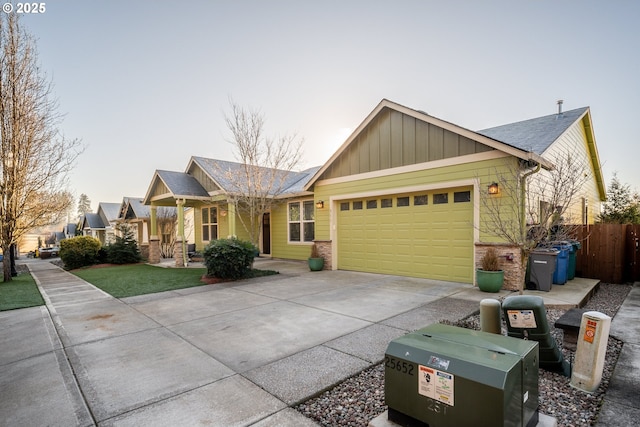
point(79, 251)
point(125, 249)
point(229, 258)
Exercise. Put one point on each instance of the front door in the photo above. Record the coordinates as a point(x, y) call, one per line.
point(266, 233)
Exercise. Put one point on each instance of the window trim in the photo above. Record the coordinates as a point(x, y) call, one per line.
point(209, 224)
point(301, 221)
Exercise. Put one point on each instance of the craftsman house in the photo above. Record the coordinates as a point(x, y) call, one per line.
point(401, 196)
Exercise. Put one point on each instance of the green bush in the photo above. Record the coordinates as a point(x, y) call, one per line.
point(79, 251)
point(229, 258)
point(125, 249)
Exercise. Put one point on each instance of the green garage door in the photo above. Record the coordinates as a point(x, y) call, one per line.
point(427, 234)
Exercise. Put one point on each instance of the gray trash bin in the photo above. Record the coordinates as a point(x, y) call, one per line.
point(542, 264)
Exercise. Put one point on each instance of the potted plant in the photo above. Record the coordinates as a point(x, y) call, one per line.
point(490, 277)
point(316, 262)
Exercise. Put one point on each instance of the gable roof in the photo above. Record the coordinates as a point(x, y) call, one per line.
point(93, 221)
point(540, 133)
point(537, 134)
point(133, 206)
point(221, 172)
point(109, 211)
point(174, 185)
point(70, 229)
point(424, 117)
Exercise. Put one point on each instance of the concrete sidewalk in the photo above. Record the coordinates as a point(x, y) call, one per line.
point(239, 353)
point(621, 406)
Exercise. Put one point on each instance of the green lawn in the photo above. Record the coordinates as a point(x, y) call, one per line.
point(139, 279)
point(21, 292)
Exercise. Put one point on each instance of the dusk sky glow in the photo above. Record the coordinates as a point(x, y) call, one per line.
point(145, 84)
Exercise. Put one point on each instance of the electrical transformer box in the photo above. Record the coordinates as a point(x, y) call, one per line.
point(446, 376)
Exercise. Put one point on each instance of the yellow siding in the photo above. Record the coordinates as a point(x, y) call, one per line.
point(574, 144)
point(483, 171)
point(280, 247)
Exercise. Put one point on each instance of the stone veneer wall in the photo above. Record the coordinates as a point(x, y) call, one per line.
point(177, 253)
point(144, 251)
point(324, 248)
point(510, 262)
point(154, 250)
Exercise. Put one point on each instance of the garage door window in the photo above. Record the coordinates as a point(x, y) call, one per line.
point(440, 198)
point(420, 200)
point(301, 221)
point(386, 203)
point(372, 204)
point(357, 205)
point(461, 196)
point(402, 201)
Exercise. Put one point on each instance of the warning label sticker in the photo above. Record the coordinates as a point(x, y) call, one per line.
point(437, 385)
point(522, 319)
point(590, 331)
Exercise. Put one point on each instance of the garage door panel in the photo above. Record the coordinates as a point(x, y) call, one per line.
point(433, 240)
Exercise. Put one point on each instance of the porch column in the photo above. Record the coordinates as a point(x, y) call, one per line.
point(154, 240)
point(180, 253)
point(231, 218)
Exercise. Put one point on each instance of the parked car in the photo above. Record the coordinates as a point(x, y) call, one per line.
point(49, 252)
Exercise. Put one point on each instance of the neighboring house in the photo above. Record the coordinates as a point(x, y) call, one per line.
point(206, 187)
point(136, 215)
point(401, 196)
point(92, 225)
point(108, 213)
point(69, 230)
point(102, 224)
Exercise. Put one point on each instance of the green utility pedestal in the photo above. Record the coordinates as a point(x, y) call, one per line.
point(526, 318)
point(447, 376)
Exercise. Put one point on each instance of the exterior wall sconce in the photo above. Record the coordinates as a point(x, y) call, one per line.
point(493, 188)
point(320, 204)
point(223, 212)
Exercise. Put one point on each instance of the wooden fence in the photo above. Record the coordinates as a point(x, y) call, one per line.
point(609, 252)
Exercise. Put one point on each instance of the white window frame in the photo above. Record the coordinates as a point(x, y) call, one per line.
point(209, 224)
point(301, 221)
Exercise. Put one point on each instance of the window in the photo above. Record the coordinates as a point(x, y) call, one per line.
point(386, 203)
point(344, 206)
point(402, 201)
point(209, 224)
point(420, 200)
point(440, 198)
point(301, 221)
point(372, 204)
point(357, 205)
point(461, 196)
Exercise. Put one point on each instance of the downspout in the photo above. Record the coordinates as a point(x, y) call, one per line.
point(523, 206)
point(523, 183)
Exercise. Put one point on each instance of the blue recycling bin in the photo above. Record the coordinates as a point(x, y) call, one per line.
point(561, 273)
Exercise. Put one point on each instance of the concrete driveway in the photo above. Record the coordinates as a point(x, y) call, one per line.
point(223, 355)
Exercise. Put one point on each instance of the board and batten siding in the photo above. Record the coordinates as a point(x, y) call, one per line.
point(394, 139)
point(202, 177)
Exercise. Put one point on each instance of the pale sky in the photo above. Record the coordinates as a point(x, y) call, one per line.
point(144, 84)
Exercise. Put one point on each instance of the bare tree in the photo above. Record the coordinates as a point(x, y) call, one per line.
point(528, 212)
point(266, 166)
point(35, 157)
point(167, 220)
